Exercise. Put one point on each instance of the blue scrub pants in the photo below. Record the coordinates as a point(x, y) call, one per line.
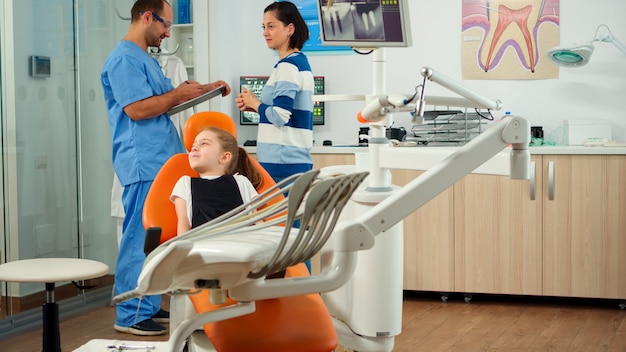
point(131, 257)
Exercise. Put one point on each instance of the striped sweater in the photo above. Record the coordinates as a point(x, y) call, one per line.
point(285, 134)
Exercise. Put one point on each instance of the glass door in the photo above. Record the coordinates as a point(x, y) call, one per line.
point(40, 119)
point(56, 168)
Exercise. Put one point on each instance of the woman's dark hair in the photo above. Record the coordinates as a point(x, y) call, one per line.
point(287, 13)
point(142, 6)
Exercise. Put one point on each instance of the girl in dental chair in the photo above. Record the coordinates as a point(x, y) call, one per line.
point(227, 180)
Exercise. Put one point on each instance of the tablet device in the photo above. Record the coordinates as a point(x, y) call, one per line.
point(195, 101)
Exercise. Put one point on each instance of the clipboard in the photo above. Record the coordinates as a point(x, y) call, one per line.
point(195, 101)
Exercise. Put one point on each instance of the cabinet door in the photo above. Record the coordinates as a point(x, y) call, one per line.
point(428, 241)
point(585, 226)
point(498, 230)
point(322, 160)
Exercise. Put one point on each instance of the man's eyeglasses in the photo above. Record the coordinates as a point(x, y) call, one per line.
point(166, 24)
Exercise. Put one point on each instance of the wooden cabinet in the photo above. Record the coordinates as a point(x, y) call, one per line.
point(570, 241)
point(323, 160)
point(562, 233)
point(428, 241)
point(498, 232)
point(584, 226)
point(428, 233)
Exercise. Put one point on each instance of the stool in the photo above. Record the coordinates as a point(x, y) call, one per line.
point(49, 271)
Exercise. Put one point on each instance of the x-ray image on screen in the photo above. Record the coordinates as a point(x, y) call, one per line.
point(369, 23)
point(346, 21)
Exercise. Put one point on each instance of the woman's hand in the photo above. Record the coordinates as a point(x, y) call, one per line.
point(247, 101)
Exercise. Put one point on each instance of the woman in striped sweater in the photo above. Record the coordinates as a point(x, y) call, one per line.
point(285, 134)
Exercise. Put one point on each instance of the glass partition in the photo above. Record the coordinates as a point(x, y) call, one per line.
point(56, 159)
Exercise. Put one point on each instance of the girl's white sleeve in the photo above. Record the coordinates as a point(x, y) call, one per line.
point(245, 188)
point(182, 189)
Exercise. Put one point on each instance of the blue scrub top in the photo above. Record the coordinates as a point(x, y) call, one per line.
point(140, 148)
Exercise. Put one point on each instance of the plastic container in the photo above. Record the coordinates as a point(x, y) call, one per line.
point(184, 11)
point(577, 131)
point(188, 52)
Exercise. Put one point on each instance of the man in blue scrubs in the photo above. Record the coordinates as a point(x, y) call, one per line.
point(137, 95)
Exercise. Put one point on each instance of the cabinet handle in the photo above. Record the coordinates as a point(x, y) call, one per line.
point(532, 180)
point(551, 180)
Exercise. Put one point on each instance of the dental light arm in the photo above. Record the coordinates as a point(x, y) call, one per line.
point(383, 104)
point(510, 130)
point(610, 38)
point(473, 99)
point(470, 98)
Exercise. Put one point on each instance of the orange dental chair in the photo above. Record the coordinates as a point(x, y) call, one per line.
point(294, 323)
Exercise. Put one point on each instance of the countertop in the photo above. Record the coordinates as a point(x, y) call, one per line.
point(424, 158)
point(548, 150)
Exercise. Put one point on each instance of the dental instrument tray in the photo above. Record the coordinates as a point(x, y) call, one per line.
point(195, 101)
point(447, 127)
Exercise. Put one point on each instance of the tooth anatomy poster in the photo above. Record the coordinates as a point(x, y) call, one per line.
point(508, 39)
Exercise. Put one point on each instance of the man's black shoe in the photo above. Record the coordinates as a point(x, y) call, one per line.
point(145, 328)
point(161, 317)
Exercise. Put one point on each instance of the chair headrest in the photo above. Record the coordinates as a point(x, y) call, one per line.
point(201, 120)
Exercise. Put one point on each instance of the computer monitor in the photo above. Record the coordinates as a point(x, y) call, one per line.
point(255, 84)
point(365, 24)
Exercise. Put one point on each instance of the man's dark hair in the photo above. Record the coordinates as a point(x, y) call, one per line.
point(287, 13)
point(142, 6)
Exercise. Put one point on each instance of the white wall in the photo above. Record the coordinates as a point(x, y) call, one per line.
point(595, 91)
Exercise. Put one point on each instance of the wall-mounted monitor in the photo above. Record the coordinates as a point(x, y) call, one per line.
point(255, 84)
point(365, 24)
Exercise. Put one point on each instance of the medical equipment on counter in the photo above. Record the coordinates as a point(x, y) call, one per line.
point(577, 55)
point(448, 127)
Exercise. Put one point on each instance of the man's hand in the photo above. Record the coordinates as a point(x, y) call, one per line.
point(159, 104)
point(216, 84)
point(188, 90)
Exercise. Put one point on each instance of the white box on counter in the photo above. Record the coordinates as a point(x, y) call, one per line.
point(577, 131)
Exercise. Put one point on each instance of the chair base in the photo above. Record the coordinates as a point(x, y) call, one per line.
point(296, 323)
point(199, 342)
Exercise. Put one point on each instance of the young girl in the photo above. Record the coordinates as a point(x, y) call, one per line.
point(225, 182)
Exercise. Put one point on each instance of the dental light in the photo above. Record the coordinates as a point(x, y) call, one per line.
point(577, 55)
point(379, 107)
